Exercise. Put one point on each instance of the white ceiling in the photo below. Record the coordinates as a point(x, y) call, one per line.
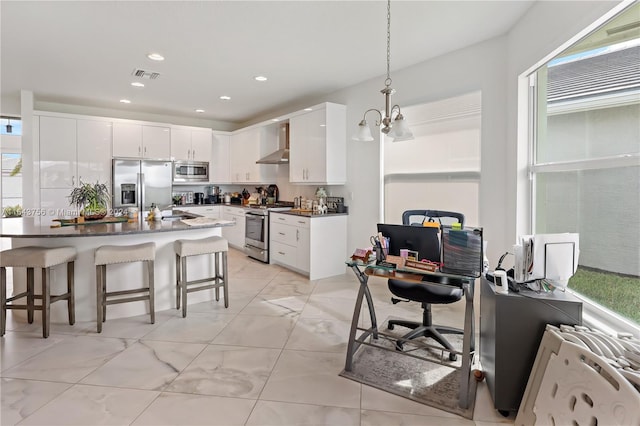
point(83, 52)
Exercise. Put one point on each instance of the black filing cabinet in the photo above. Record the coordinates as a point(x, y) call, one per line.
point(511, 328)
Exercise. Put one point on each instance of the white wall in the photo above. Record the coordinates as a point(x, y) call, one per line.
point(491, 67)
point(444, 77)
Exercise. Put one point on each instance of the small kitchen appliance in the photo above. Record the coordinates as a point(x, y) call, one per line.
point(190, 171)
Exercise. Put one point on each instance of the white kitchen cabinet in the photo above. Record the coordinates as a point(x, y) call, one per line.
point(71, 151)
point(246, 148)
point(54, 203)
point(190, 144)
point(234, 234)
point(290, 239)
point(127, 140)
point(156, 142)
point(315, 246)
point(141, 141)
point(219, 171)
point(58, 141)
point(94, 151)
point(318, 147)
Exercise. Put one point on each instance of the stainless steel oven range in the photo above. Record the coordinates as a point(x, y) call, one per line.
point(257, 231)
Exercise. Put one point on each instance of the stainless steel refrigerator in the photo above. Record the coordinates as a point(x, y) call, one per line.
point(140, 183)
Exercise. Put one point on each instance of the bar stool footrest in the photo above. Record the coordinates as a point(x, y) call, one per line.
point(126, 299)
point(204, 287)
point(17, 296)
point(123, 292)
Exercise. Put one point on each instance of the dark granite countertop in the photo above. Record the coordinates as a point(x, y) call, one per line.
point(31, 227)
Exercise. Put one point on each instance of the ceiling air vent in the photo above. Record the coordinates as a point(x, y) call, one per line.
point(149, 75)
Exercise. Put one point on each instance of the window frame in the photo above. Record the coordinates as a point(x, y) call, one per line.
point(594, 314)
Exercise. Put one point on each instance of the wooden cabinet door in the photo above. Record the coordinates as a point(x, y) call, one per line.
point(242, 147)
point(219, 171)
point(303, 252)
point(54, 203)
point(127, 140)
point(58, 152)
point(316, 146)
point(297, 149)
point(156, 142)
point(201, 145)
point(181, 144)
point(94, 151)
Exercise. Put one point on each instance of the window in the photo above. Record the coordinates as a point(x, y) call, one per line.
point(440, 168)
point(11, 168)
point(10, 126)
point(585, 165)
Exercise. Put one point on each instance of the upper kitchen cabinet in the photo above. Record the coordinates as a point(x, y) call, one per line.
point(318, 149)
point(72, 150)
point(141, 141)
point(219, 171)
point(190, 144)
point(94, 151)
point(58, 167)
point(247, 147)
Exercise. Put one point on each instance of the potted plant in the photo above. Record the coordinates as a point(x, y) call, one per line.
point(90, 199)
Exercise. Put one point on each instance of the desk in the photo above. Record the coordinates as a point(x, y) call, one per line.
point(511, 328)
point(363, 272)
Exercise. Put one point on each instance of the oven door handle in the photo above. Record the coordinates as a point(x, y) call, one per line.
point(262, 217)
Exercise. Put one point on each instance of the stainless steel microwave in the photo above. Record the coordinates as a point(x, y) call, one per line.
point(190, 171)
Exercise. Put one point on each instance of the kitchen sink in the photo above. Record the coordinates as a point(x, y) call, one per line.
point(178, 217)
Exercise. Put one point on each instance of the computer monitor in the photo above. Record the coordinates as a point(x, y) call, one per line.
point(424, 240)
point(555, 257)
point(552, 257)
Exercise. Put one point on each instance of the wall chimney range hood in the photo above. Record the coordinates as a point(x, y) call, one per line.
point(281, 156)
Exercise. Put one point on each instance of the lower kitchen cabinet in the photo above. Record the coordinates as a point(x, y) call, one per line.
point(314, 246)
point(234, 234)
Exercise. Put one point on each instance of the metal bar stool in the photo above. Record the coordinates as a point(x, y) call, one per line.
point(109, 255)
point(217, 246)
point(30, 258)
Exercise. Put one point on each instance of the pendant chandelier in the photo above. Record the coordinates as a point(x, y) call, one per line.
point(398, 130)
point(9, 127)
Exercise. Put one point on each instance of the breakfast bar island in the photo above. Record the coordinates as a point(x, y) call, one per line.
point(85, 238)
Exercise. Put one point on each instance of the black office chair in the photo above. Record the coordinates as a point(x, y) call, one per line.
point(443, 291)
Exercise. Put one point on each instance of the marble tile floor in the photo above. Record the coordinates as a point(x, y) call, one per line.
point(271, 358)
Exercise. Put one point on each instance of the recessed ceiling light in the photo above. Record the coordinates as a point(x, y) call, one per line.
point(225, 97)
point(155, 57)
point(200, 110)
point(260, 78)
point(275, 119)
point(137, 84)
point(308, 109)
point(125, 101)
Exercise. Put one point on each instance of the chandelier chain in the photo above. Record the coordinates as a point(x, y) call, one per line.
point(388, 80)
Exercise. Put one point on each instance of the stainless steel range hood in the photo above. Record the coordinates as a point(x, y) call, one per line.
point(281, 156)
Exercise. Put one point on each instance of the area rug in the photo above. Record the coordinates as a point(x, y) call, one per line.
point(421, 381)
